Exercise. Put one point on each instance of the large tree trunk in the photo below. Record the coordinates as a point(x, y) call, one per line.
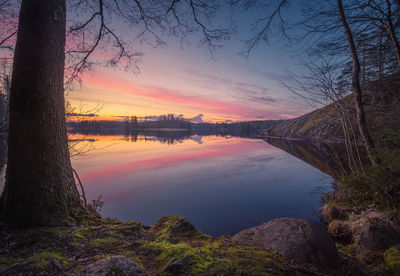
point(40, 188)
point(361, 121)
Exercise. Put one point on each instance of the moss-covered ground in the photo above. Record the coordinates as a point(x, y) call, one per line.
point(171, 247)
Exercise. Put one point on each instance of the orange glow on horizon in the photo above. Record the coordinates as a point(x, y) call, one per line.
point(127, 98)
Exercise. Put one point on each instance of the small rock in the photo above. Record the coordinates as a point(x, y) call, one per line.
point(377, 237)
point(295, 239)
point(114, 265)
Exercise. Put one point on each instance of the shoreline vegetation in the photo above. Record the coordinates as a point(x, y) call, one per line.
point(362, 212)
point(170, 247)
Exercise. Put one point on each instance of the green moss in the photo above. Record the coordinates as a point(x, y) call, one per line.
point(392, 258)
point(172, 246)
point(43, 259)
point(88, 230)
point(212, 257)
point(104, 242)
point(176, 228)
point(77, 238)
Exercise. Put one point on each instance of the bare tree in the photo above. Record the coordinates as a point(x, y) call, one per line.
point(323, 36)
point(381, 16)
point(149, 22)
point(361, 120)
point(321, 85)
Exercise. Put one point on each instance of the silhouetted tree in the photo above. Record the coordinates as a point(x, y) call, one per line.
point(40, 187)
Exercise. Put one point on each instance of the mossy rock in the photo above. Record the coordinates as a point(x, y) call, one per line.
point(175, 229)
point(392, 258)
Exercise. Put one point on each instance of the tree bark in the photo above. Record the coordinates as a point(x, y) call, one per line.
point(40, 188)
point(361, 120)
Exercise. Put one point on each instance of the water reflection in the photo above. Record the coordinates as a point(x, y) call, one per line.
point(223, 184)
point(330, 158)
point(319, 155)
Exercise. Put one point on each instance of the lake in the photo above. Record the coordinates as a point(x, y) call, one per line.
point(222, 184)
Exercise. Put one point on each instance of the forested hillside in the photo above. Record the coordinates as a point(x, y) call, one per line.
point(382, 106)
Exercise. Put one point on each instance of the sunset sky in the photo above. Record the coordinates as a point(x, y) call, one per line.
point(184, 80)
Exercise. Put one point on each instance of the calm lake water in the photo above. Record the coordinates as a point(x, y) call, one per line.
point(221, 184)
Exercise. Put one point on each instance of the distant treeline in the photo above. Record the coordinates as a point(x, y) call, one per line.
point(247, 128)
point(132, 125)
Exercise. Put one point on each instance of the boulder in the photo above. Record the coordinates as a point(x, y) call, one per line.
point(295, 239)
point(115, 266)
point(377, 237)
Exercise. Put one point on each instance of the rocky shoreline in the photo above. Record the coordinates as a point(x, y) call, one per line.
point(173, 246)
point(368, 235)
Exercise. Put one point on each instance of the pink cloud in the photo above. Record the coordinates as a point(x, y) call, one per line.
point(166, 95)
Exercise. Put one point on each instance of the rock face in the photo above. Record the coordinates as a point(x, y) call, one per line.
point(377, 237)
point(115, 266)
point(295, 239)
